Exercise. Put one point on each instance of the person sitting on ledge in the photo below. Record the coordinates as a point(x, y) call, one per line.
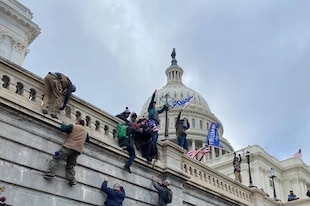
point(292, 196)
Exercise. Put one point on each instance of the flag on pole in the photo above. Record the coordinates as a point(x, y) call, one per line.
point(213, 136)
point(193, 153)
point(203, 150)
point(182, 102)
point(298, 154)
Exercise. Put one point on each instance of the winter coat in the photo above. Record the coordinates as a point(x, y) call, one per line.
point(76, 137)
point(180, 127)
point(115, 197)
point(162, 193)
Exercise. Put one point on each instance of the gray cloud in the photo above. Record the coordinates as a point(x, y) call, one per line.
point(248, 59)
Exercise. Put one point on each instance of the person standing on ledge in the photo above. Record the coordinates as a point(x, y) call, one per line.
point(181, 126)
point(237, 167)
point(59, 87)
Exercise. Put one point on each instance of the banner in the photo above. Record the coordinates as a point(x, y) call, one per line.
point(213, 136)
point(182, 102)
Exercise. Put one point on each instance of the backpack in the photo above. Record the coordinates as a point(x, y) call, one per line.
point(121, 130)
point(169, 195)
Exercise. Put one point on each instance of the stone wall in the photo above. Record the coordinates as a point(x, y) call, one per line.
point(28, 139)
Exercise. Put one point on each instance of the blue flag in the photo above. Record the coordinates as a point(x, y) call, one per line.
point(213, 136)
point(182, 102)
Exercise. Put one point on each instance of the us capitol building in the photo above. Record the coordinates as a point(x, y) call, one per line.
point(276, 178)
point(272, 177)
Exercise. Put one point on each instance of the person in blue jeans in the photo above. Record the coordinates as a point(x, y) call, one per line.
point(153, 123)
point(181, 126)
point(115, 195)
point(127, 145)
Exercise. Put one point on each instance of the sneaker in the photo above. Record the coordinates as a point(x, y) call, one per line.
point(48, 175)
point(127, 168)
point(72, 182)
point(54, 116)
point(153, 162)
point(44, 111)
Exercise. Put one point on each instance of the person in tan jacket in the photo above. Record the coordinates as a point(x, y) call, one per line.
point(71, 149)
point(59, 87)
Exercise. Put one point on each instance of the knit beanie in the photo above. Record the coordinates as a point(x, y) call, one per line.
point(126, 111)
point(2, 199)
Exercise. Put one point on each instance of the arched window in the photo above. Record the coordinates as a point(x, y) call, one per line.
point(193, 123)
point(200, 124)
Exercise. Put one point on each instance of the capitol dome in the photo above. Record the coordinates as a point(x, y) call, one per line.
point(197, 111)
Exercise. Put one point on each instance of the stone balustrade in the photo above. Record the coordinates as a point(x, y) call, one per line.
point(22, 90)
point(210, 179)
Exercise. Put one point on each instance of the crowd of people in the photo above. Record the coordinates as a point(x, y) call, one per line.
point(144, 132)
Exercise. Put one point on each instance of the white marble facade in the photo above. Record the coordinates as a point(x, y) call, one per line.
point(291, 174)
point(17, 31)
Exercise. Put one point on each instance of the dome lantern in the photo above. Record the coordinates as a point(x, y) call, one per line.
point(174, 72)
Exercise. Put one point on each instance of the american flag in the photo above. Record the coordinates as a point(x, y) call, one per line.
point(298, 154)
point(202, 150)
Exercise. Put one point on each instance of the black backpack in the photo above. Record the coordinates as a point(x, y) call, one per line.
point(169, 195)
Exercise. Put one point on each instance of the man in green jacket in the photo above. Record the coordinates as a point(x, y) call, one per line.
point(70, 150)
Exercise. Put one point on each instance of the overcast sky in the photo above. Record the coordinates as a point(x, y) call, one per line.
point(250, 60)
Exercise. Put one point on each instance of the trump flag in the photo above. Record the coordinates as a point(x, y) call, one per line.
point(213, 136)
point(182, 102)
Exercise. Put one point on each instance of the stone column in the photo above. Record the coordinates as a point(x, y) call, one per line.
point(212, 152)
point(193, 144)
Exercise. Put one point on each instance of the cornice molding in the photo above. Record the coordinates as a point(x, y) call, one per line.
point(31, 29)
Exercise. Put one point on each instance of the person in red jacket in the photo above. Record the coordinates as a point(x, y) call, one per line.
point(115, 195)
point(71, 149)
